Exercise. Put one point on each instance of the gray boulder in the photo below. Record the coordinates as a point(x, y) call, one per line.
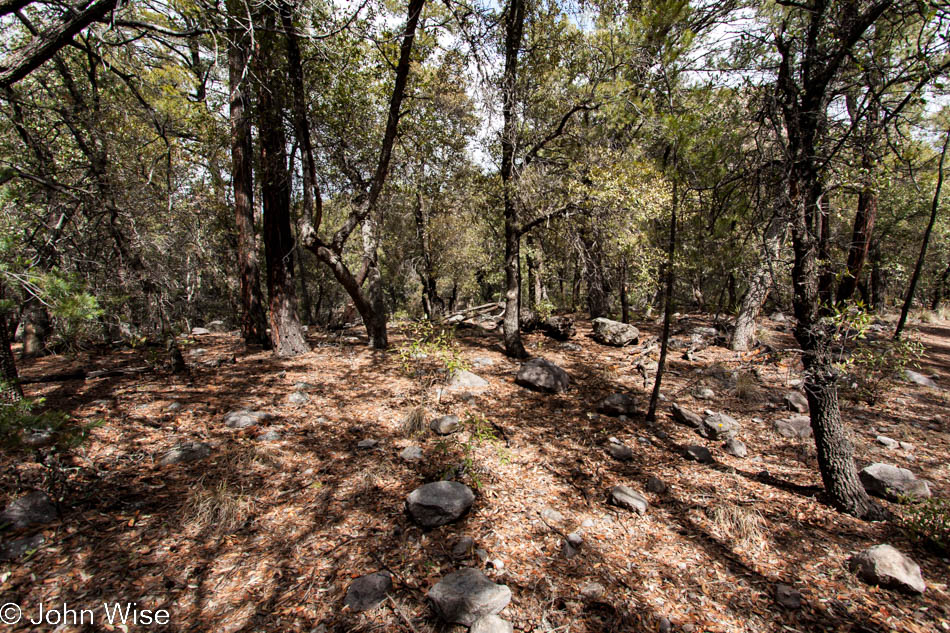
point(704, 393)
point(619, 451)
point(885, 566)
point(919, 379)
point(491, 624)
point(217, 326)
point(12, 550)
point(298, 397)
point(798, 426)
point(462, 379)
point(626, 497)
point(270, 435)
point(719, 426)
point(543, 375)
point(199, 331)
point(887, 442)
point(439, 503)
point(35, 508)
point(464, 547)
point(685, 416)
point(614, 333)
point(593, 590)
point(411, 454)
point(787, 596)
point(697, 453)
point(656, 485)
point(796, 401)
point(618, 404)
point(368, 592)
point(446, 425)
point(736, 448)
point(185, 453)
point(466, 595)
point(243, 418)
point(891, 482)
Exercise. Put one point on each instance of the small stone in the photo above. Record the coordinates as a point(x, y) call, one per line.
point(368, 592)
point(919, 379)
point(368, 443)
point(199, 331)
point(655, 485)
point(907, 446)
point(482, 361)
point(491, 624)
point(35, 508)
point(482, 554)
point(796, 401)
point(571, 546)
point(685, 416)
point(798, 426)
point(439, 503)
point(719, 426)
point(174, 406)
point(570, 347)
point(593, 590)
point(445, 425)
point(705, 394)
point(700, 454)
point(464, 596)
point(185, 453)
point(885, 566)
point(243, 418)
point(664, 625)
point(463, 380)
point(892, 482)
point(662, 435)
point(552, 516)
point(411, 454)
point(464, 547)
point(887, 442)
point(271, 435)
point(735, 448)
point(618, 404)
point(298, 397)
point(12, 550)
point(496, 563)
point(788, 596)
point(542, 375)
point(625, 497)
point(620, 452)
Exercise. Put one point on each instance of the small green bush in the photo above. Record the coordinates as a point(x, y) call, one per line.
point(424, 340)
point(875, 365)
point(928, 522)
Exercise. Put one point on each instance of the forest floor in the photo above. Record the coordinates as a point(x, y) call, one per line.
point(267, 535)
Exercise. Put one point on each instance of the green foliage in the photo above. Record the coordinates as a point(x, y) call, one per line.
point(427, 342)
point(25, 427)
point(875, 366)
point(927, 521)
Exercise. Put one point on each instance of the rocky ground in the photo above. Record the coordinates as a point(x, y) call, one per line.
point(259, 494)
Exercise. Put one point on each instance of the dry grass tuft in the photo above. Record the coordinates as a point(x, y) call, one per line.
point(746, 387)
point(415, 422)
point(742, 526)
point(217, 509)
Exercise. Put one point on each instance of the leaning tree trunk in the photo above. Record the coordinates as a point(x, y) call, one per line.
point(36, 327)
point(759, 286)
point(253, 320)
point(286, 332)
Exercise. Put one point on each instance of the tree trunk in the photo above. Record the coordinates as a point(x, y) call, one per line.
point(36, 327)
point(286, 333)
point(532, 273)
point(759, 286)
point(511, 326)
point(878, 285)
point(624, 299)
point(432, 304)
point(939, 288)
point(376, 327)
point(253, 321)
point(934, 207)
point(597, 298)
point(668, 309)
point(10, 390)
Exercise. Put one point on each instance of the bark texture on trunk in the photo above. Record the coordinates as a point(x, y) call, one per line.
point(36, 327)
point(253, 320)
point(286, 333)
point(760, 284)
point(10, 390)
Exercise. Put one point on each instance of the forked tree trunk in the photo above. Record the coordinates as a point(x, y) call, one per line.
point(286, 333)
point(253, 321)
point(743, 337)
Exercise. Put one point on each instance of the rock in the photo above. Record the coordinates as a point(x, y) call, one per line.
point(439, 503)
point(570, 347)
point(243, 419)
point(700, 454)
point(543, 375)
point(614, 333)
point(625, 497)
point(185, 453)
point(12, 550)
point(571, 546)
point(919, 379)
point(593, 590)
point(271, 435)
point(704, 394)
point(778, 317)
point(482, 361)
point(703, 332)
point(174, 406)
point(796, 401)
point(560, 328)
point(719, 426)
point(620, 451)
point(907, 446)
point(552, 516)
point(466, 595)
point(664, 625)
point(304, 386)
point(891, 482)
point(464, 547)
point(618, 404)
point(199, 331)
point(35, 508)
point(655, 485)
point(462, 379)
point(446, 425)
point(298, 397)
point(217, 326)
point(885, 566)
point(411, 454)
point(788, 596)
point(736, 448)
point(685, 416)
point(887, 442)
point(367, 444)
point(491, 624)
point(798, 426)
point(368, 592)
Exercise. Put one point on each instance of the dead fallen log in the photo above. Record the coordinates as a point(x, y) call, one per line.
point(81, 374)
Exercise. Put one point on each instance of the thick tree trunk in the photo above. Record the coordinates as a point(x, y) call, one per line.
point(919, 267)
point(36, 327)
point(511, 326)
point(10, 390)
point(759, 286)
point(286, 333)
point(940, 288)
point(597, 296)
point(376, 328)
point(432, 303)
point(253, 321)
